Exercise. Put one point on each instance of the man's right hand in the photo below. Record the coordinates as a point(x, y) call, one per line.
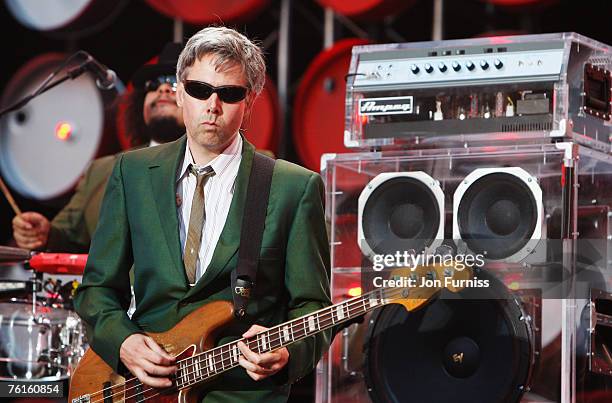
point(31, 230)
point(147, 360)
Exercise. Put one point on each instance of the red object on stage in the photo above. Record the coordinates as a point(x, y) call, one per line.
point(262, 126)
point(367, 9)
point(59, 263)
point(318, 115)
point(210, 11)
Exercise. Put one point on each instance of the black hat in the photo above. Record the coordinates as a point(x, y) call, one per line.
point(165, 65)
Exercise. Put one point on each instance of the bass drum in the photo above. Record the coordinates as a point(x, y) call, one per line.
point(460, 348)
point(42, 345)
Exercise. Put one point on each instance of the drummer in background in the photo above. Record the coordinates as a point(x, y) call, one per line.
point(152, 118)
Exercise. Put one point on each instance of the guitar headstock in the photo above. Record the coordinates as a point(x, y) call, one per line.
point(424, 282)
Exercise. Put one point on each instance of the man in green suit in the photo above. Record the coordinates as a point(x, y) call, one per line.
point(152, 117)
point(175, 213)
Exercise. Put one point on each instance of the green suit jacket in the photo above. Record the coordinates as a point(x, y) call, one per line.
point(139, 225)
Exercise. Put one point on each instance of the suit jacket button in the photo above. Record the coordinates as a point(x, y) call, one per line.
point(183, 304)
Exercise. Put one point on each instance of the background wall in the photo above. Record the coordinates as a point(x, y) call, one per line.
point(138, 33)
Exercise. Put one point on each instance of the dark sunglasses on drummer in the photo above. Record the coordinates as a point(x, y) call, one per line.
point(230, 94)
point(153, 85)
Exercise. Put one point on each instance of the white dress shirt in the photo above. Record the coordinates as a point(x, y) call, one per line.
point(218, 194)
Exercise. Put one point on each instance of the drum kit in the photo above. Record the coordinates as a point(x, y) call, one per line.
point(41, 337)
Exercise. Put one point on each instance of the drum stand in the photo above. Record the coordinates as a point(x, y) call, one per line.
point(35, 285)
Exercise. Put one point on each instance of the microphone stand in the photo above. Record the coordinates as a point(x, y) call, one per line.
point(71, 74)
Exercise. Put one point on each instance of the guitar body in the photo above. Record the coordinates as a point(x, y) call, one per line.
point(193, 334)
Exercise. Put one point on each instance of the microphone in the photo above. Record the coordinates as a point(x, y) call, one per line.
point(105, 77)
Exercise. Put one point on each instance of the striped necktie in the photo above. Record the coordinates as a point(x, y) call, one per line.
point(196, 222)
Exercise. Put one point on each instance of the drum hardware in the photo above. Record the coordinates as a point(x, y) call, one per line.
point(41, 338)
point(13, 288)
point(39, 342)
point(39, 263)
point(9, 254)
point(600, 329)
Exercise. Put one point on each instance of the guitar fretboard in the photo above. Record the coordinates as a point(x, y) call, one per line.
point(213, 362)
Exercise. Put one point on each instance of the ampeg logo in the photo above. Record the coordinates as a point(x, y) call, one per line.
point(385, 106)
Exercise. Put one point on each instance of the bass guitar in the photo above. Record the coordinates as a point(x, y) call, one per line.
point(198, 361)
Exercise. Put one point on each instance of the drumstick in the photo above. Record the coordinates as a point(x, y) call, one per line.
point(9, 197)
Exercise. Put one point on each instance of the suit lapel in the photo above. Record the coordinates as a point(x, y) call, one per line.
point(162, 171)
point(229, 241)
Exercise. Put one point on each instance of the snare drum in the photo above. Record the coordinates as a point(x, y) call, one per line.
point(45, 345)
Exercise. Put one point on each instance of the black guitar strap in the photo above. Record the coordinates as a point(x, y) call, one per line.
point(251, 234)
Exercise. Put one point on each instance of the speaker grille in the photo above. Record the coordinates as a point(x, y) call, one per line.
point(497, 212)
point(401, 214)
point(454, 350)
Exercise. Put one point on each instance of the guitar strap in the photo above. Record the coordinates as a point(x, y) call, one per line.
point(251, 234)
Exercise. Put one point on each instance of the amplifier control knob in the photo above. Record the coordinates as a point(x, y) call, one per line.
point(415, 69)
point(456, 66)
point(470, 66)
point(442, 67)
point(498, 64)
point(484, 64)
point(428, 68)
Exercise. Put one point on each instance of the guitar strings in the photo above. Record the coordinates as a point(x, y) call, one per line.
point(357, 300)
point(354, 301)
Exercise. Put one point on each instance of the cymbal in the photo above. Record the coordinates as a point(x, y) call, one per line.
point(59, 263)
point(9, 254)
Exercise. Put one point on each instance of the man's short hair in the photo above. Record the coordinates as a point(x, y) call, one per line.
point(229, 46)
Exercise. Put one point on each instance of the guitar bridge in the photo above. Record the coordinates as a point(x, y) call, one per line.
point(82, 399)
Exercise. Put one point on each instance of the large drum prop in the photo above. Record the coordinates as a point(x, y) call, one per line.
point(210, 11)
point(318, 114)
point(367, 9)
point(66, 18)
point(46, 145)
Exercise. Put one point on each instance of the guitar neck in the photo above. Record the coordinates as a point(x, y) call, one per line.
point(210, 363)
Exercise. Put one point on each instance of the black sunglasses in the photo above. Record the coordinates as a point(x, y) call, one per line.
point(229, 94)
point(153, 85)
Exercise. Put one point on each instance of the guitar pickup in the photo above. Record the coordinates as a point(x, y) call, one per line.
point(600, 346)
point(108, 389)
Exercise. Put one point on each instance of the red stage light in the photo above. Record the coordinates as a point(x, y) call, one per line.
point(63, 131)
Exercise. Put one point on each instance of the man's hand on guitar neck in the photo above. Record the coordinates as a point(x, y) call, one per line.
point(260, 366)
point(147, 361)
